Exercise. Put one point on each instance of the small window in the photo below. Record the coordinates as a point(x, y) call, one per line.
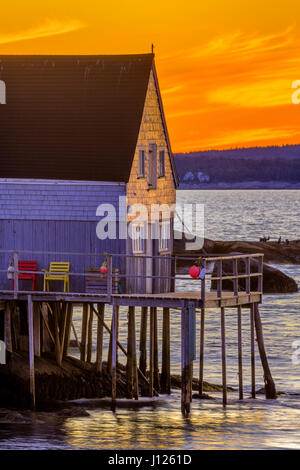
point(161, 164)
point(165, 235)
point(138, 239)
point(141, 164)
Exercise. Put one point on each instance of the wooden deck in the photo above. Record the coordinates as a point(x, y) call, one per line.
point(164, 300)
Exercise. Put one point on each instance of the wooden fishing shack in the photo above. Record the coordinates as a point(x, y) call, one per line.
point(84, 138)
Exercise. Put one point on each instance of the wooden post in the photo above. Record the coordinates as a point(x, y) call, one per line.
point(132, 363)
point(68, 329)
point(219, 281)
point(223, 339)
point(109, 276)
point(84, 332)
point(129, 368)
point(16, 274)
point(185, 361)
point(31, 353)
point(165, 369)
point(90, 336)
point(114, 358)
point(109, 353)
point(152, 343)
point(201, 361)
point(47, 336)
point(109, 356)
point(248, 270)
point(37, 329)
point(240, 352)
point(7, 327)
point(235, 280)
point(57, 336)
point(156, 381)
point(143, 340)
point(100, 325)
point(62, 326)
point(252, 351)
point(270, 388)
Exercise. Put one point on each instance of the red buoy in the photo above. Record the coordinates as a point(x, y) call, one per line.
point(194, 271)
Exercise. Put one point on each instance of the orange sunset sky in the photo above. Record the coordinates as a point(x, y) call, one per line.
point(225, 67)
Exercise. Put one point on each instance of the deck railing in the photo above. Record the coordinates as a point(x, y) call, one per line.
point(237, 271)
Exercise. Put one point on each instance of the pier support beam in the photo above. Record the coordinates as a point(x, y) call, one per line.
point(132, 377)
point(69, 315)
point(156, 381)
point(165, 380)
point(31, 353)
point(270, 388)
point(84, 332)
point(152, 345)
point(252, 339)
point(223, 341)
point(143, 340)
point(114, 335)
point(90, 335)
point(240, 352)
point(201, 360)
point(186, 358)
point(100, 326)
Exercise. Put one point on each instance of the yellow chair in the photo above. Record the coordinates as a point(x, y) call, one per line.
point(58, 271)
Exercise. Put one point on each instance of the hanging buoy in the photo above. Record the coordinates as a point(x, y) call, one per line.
point(194, 271)
point(103, 269)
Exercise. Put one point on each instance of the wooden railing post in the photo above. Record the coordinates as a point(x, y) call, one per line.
point(16, 274)
point(260, 270)
point(203, 288)
point(109, 276)
point(235, 280)
point(219, 281)
point(248, 269)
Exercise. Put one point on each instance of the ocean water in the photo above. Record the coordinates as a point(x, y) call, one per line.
point(247, 424)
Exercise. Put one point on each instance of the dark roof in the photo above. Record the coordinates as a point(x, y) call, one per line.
point(71, 117)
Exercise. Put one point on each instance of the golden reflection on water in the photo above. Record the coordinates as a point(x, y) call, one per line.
point(248, 424)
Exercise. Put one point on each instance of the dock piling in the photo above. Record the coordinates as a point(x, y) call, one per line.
point(100, 326)
point(223, 340)
point(252, 339)
point(240, 352)
point(165, 381)
point(270, 389)
point(31, 353)
point(201, 360)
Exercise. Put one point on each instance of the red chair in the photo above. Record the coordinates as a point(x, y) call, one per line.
point(27, 266)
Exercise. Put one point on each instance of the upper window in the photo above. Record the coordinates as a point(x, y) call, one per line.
point(138, 238)
point(161, 164)
point(141, 164)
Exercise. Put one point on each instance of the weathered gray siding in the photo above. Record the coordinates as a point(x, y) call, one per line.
point(55, 217)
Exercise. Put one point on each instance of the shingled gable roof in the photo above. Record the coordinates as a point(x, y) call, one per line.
point(72, 117)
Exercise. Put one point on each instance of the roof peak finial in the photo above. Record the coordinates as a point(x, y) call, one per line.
point(152, 48)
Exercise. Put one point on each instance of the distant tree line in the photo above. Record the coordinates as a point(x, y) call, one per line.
point(220, 168)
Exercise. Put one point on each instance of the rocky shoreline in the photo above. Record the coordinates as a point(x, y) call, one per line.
point(73, 380)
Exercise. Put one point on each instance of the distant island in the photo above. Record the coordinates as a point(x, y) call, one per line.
point(245, 168)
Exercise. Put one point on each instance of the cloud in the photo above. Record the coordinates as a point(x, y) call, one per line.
point(242, 137)
point(49, 28)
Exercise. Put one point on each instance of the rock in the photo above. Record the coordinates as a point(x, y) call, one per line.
point(274, 280)
point(204, 396)
point(281, 253)
point(74, 412)
point(207, 387)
